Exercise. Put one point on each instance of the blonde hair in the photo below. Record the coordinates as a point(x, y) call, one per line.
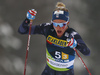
point(61, 6)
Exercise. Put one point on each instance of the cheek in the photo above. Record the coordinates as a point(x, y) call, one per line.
point(63, 27)
point(55, 27)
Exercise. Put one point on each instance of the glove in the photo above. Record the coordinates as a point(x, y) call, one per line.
point(31, 14)
point(72, 43)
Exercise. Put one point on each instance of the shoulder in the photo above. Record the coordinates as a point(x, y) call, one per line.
point(45, 24)
point(72, 32)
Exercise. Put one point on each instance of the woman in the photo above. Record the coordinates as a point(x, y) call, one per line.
point(60, 41)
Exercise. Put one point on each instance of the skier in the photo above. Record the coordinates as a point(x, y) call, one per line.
point(60, 41)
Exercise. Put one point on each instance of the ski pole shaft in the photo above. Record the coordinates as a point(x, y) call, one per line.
point(82, 61)
point(28, 43)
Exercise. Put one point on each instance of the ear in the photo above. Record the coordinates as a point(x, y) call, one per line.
point(66, 26)
point(67, 23)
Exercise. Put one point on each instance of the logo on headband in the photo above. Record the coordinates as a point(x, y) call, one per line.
point(58, 12)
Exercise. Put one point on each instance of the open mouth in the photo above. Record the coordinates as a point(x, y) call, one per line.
point(59, 31)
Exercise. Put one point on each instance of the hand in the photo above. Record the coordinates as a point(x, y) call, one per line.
point(72, 43)
point(31, 14)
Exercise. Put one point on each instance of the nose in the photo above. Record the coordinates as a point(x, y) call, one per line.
point(58, 27)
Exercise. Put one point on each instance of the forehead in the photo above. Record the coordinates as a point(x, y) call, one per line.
point(59, 21)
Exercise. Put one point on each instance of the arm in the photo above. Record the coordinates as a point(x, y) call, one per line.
point(24, 28)
point(81, 46)
point(36, 29)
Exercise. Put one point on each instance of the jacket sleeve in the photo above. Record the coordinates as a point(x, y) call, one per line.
point(35, 29)
point(81, 44)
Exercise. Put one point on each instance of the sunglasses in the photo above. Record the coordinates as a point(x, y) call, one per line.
point(59, 24)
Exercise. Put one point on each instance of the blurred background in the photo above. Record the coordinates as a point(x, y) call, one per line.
point(84, 18)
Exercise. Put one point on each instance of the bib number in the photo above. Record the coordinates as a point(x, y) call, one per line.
point(61, 55)
point(57, 55)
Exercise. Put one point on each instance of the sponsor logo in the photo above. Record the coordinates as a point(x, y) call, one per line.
point(60, 64)
point(55, 41)
point(58, 12)
point(65, 56)
point(67, 34)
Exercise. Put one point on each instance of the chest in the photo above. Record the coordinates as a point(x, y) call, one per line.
point(58, 45)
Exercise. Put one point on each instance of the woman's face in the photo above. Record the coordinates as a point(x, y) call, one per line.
point(60, 30)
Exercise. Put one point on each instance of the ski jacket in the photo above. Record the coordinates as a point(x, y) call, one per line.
point(59, 56)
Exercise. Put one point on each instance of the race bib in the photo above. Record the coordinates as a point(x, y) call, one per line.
point(60, 61)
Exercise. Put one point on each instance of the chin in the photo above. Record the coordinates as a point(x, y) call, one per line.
point(59, 34)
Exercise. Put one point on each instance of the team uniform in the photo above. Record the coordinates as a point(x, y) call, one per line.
point(60, 57)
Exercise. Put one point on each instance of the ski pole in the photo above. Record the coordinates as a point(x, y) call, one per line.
point(28, 43)
point(82, 61)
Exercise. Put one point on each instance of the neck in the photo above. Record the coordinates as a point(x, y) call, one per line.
point(59, 36)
